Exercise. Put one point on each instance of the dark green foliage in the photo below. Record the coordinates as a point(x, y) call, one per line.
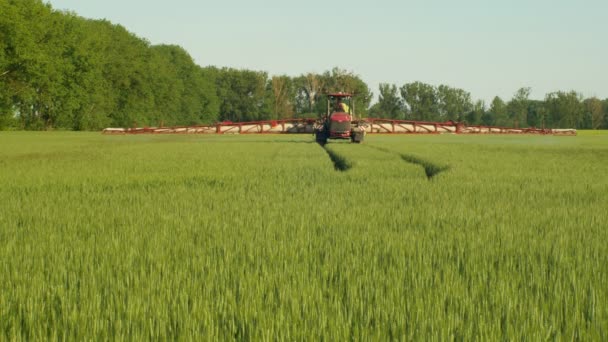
point(565, 109)
point(517, 108)
point(422, 100)
point(605, 119)
point(537, 113)
point(282, 91)
point(454, 104)
point(497, 114)
point(242, 94)
point(559, 109)
point(476, 114)
point(191, 96)
point(390, 104)
point(58, 70)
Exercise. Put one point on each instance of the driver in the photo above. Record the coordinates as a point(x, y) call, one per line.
point(341, 106)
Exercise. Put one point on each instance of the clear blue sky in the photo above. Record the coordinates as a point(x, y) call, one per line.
point(486, 47)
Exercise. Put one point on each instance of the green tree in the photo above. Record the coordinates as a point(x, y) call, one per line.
point(84, 100)
point(181, 91)
point(422, 101)
point(283, 93)
point(243, 95)
point(6, 106)
point(518, 107)
point(594, 109)
point(474, 117)
point(497, 113)
point(308, 92)
point(128, 72)
point(27, 70)
point(537, 113)
point(390, 104)
point(605, 124)
point(58, 70)
point(565, 109)
point(453, 104)
point(89, 97)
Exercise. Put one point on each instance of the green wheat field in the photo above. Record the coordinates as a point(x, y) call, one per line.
point(273, 237)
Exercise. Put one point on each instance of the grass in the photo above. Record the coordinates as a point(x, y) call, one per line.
point(589, 132)
point(258, 237)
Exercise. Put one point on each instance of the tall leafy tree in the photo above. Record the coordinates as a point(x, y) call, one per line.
point(243, 95)
point(475, 115)
point(594, 110)
point(308, 92)
point(454, 103)
point(58, 70)
point(605, 124)
point(422, 101)
point(7, 28)
point(127, 70)
point(498, 113)
point(29, 75)
point(518, 107)
point(537, 113)
point(181, 90)
point(565, 109)
point(283, 93)
point(86, 100)
point(90, 97)
point(390, 104)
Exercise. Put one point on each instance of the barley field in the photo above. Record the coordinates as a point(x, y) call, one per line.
point(274, 237)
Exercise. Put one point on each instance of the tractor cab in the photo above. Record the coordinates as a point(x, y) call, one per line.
point(338, 123)
point(340, 103)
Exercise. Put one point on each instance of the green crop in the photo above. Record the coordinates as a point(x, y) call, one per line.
point(274, 237)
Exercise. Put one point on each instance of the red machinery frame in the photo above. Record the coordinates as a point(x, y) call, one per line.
point(308, 125)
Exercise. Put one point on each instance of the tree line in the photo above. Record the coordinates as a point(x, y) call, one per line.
point(420, 101)
point(61, 71)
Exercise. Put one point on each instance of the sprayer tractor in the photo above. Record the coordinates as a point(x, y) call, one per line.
point(339, 121)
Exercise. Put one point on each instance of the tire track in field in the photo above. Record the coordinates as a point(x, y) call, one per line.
point(430, 169)
point(341, 163)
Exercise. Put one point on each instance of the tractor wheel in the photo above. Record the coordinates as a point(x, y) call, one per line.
point(320, 137)
point(357, 137)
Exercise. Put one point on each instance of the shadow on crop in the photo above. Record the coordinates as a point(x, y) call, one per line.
point(340, 162)
point(430, 169)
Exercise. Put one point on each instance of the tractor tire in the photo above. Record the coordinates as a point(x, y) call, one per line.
point(321, 137)
point(357, 137)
